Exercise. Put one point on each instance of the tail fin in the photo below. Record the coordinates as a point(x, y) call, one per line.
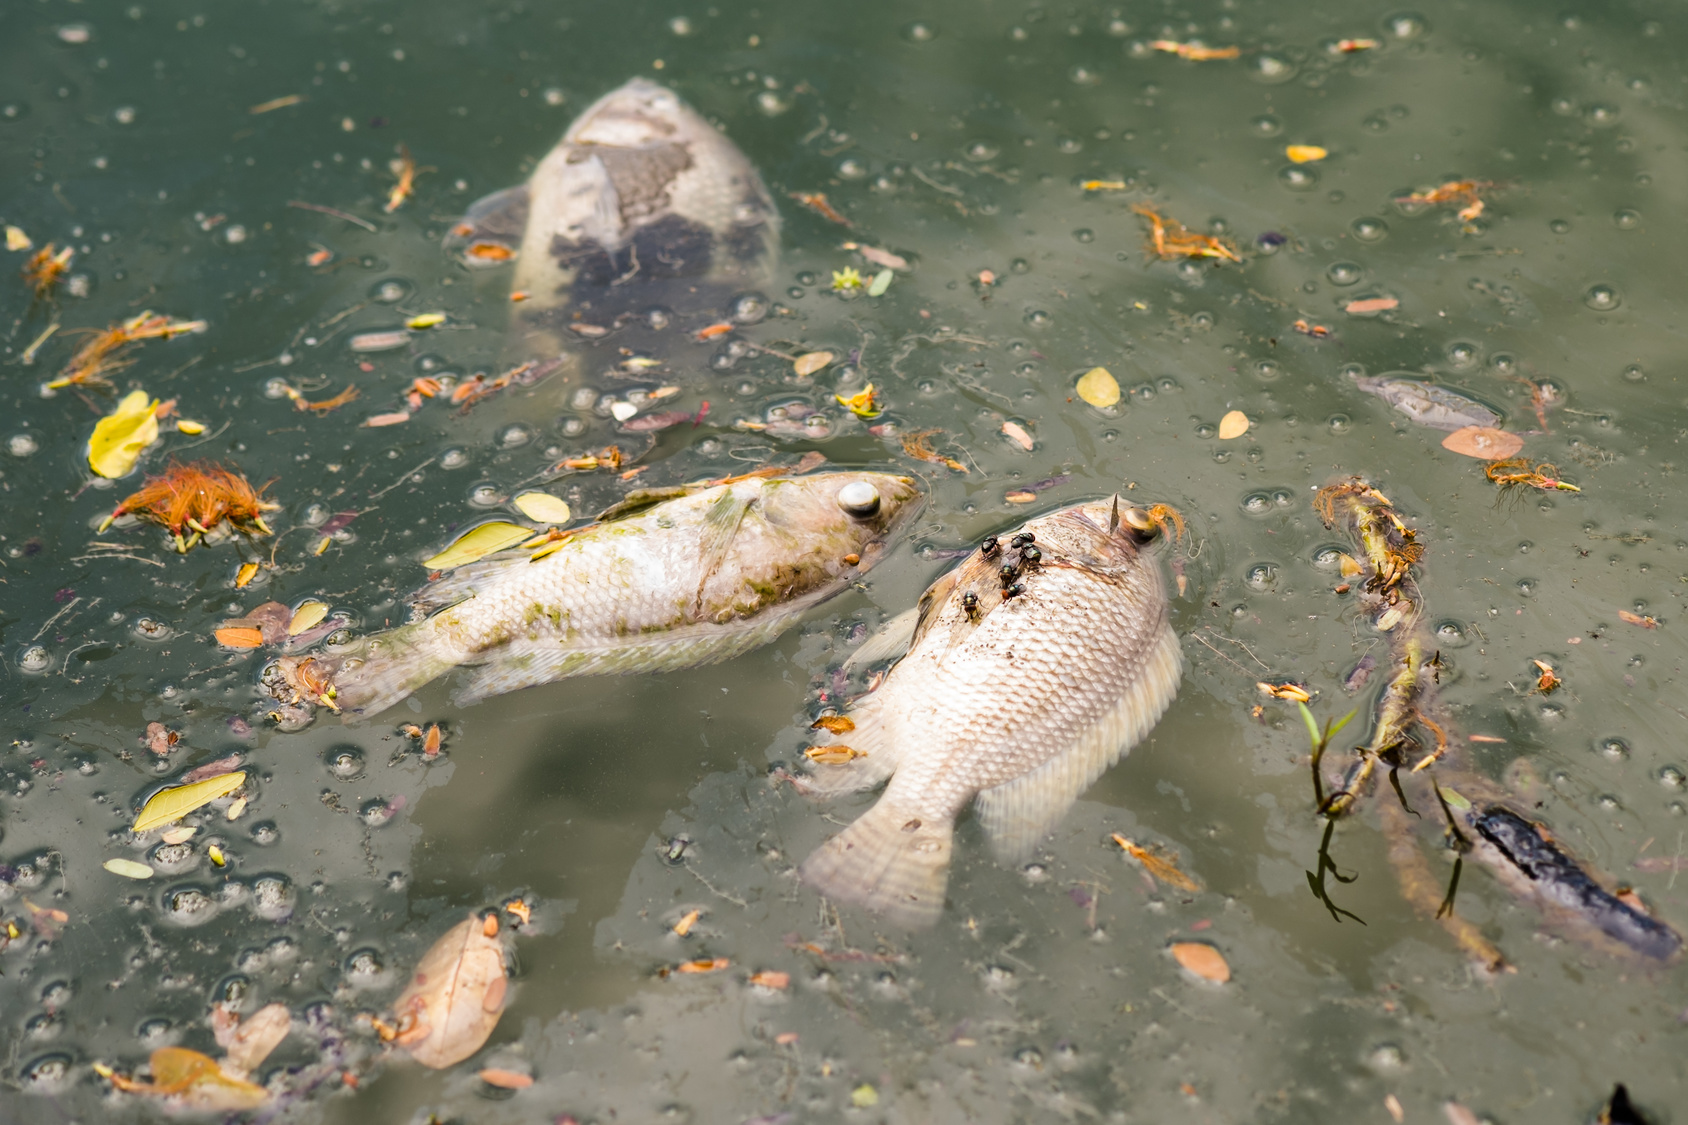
point(391, 666)
point(889, 861)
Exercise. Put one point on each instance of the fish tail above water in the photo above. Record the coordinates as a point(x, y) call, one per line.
point(890, 861)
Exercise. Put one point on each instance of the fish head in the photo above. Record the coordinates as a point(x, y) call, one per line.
point(637, 115)
point(849, 513)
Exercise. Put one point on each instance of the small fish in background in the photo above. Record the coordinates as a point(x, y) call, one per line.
point(669, 578)
point(1034, 666)
point(643, 203)
point(1427, 403)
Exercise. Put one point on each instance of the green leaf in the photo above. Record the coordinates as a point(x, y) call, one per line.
point(881, 282)
point(1312, 724)
point(479, 542)
point(173, 804)
point(542, 507)
point(1340, 723)
point(1455, 799)
point(121, 436)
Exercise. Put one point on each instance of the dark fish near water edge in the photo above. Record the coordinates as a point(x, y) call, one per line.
point(695, 576)
point(642, 208)
point(1427, 403)
point(1035, 665)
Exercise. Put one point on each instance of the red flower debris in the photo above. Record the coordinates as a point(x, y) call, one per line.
point(195, 498)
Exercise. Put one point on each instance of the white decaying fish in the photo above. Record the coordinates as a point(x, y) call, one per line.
point(696, 575)
point(1035, 665)
point(643, 205)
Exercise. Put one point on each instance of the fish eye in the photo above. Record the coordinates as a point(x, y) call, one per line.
point(859, 499)
point(1141, 523)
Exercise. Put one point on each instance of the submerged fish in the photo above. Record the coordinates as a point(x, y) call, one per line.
point(1427, 403)
point(642, 204)
point(690, 577)
point(1035, 665)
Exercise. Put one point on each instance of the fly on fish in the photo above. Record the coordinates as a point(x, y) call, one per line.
point(643, 205)
point(667, 579)
point(1033, 667)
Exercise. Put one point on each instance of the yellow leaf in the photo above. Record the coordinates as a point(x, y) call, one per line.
point(1304, 154)
point(426, 320)
point(811, 362)
point(237, 808)
point(1098, 387)
point(120, 436)
point(127, 868)
point(178, 835)
point(174, 803)
point(862, 404)
point(864, 1096)
point(189, 426)
point(216, 855)
point(16, 239)
point(1233, 425)
point(306, 616)
point(542, 507)
point(477, 543)
point(244, 576)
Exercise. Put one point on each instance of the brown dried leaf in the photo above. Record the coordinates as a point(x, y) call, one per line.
point(454, 999)
point(1203, 960)
point(1626, 615)
point(837, 724)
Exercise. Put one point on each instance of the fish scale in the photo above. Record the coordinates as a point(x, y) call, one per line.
point(1019, 705)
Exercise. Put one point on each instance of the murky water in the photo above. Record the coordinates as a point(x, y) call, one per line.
point(957, 134)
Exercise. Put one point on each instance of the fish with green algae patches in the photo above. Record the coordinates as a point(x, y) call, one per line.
point(1033, 667)
point(696, 578)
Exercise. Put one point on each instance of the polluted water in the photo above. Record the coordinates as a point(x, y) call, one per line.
point(301, 297)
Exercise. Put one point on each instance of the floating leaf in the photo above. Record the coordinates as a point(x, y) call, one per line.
point(180, 835)
point(1305, 154)
point(454, 999)
point(240, 638)
point(879, 257)
point(121, 436)
point(426, 320)
point(307, 615)
point(863, 404)
point(16, 239)
point(703, 965)
point(1203, 960)
point(173, 804)
point(1646, 622)
point(837, 724)
point(1157, 865)
point(1098, 387)
point(1483, 442)
point(864, 1096)
point(127, 868)
point(244, 576)
point(238, 807)
point(811, 362)
point(771, 978)
point(396, 418)
point(199, 1082)
point(189, 426)
point(1371, 305)
point(506, 1079)
point(881, 282)
point(832, 755)
point(1019, 435)
point(380, 341)
point(1233, 425)
point(1020, 496)
point(477, 543)
point(684, 925)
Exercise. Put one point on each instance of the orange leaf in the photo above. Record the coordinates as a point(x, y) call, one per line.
point(703, 965)
point(1203, 960)
point(1483, 442)
point(506, 1079)
point(837, 724)
point(240, 638)
point(393, 419)
point(714, 330)
point(684, 925)
point(1020, 496)
point(1638, 619)
point(768, 978)
point(1371, 305)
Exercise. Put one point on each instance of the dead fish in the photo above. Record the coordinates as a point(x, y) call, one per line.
point(1427, 403)
point(1033, 667)
point(669, 579)
point(642, 204)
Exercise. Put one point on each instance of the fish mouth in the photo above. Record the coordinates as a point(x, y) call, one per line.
point(636, 115)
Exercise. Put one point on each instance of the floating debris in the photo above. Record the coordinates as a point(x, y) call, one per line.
point(170, 805)
point(1428, 404)
point(1194, 50)
point(122, 436)
point(1484, 443)
point(1234, 425)
point(1305, 154)
point(1365, 305)
point(197, 497)
point(1202, 960)
point(1169, 239)
point(1098, 387)
point(104, 353)
point(817, 202)
point(1467, 193)
point(46, 267)
point(1519, 471)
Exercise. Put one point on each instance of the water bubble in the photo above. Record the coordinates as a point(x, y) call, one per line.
point(1601, 115)
point(1671, 777)
point(156, 1031)
point(1345, 273)
point(1375, 124)
point(1339, 423)
point(1266, 125)
point(1069, 145)
point(554, 96)
point(378, 811)
point(979, 151)
point(1029, 1057)
point(851, 169)
point(1406, 25)
point(265, 833)
point(22, 445)
point(1634, 373)
point(1083, 76)
point(1612, 749)
point(1206, 430)
point(188, 906)
point(1608, 802)
point(1328, 556)
point(364, 964)
point(1386, 1058)
point(1271, 68)
point(391, 291)
point(1262, 577)
point(1603, 297)
point(1368, 229)
point(1037, 318)
point(919, 32)
point(1450, 633)
point(1462, 354)
point(1267, 369)
point(680, 25)
point(487, 495)
point(46, 1073)
point(453, 459)
point(1559, 226)
point(771, 103)
point(1257, 503)
point(344, 762)
point(748, 308)
point(273, 897)
point(512, 436)
point(35, 658)
point(1034, 873)
point(44, 1026)
point(1084, 234)
point(172, 857)
point(1298, 177)
point(1504, 363)
point(1626, 219)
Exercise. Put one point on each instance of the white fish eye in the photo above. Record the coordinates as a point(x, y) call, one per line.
point(859, 499)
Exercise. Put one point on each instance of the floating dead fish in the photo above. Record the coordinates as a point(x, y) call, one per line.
point(1035, 665)
point(665, 580)
point(1427, 403)
point(643, 203)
